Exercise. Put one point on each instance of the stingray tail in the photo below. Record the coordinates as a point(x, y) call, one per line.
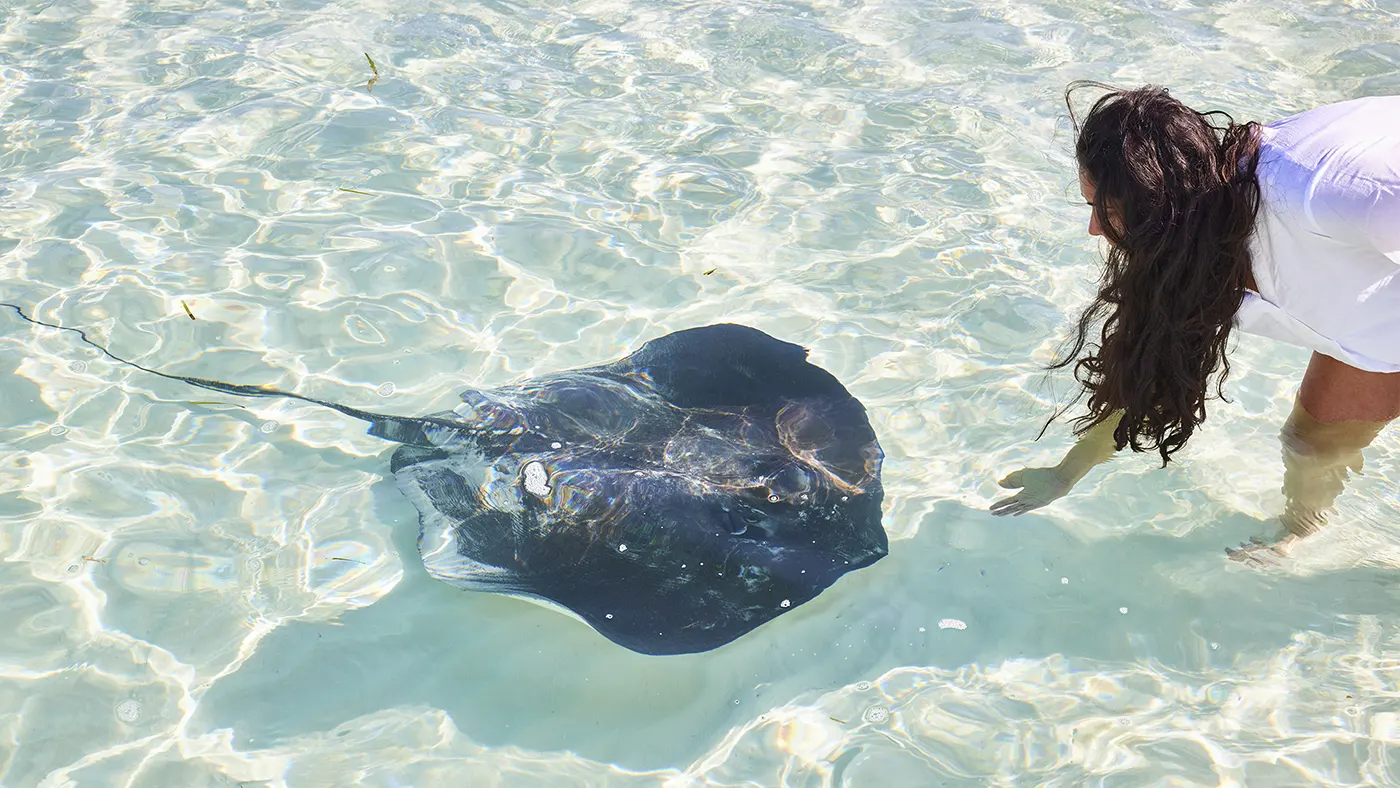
point(392, 428)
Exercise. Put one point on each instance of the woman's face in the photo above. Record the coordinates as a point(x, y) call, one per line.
point(1086, 188)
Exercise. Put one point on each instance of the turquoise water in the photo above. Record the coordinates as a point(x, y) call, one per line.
point(543, 185)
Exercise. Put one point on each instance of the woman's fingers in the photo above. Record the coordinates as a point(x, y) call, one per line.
point(1012, 505)
point(1012, 479)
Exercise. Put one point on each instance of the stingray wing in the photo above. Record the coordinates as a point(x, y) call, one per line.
point(728, 366)
point(735, 367)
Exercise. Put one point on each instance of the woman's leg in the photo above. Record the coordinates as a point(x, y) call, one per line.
point(1339, 411)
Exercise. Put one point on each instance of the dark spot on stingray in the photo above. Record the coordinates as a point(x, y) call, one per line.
point(599, 490)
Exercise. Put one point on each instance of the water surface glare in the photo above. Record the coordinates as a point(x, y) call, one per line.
point(202, 592)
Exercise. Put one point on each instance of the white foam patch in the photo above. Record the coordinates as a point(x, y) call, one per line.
point(536, 479)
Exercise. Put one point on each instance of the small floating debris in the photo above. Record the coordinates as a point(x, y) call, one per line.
point(129, 711)
point(351, 560)
point(94, 559)
point(187, 309)
point(369, 87)
point(211, 402)
point(711, 271)
point(355, 191)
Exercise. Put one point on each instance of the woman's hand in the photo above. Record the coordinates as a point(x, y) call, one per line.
point(1038, 486)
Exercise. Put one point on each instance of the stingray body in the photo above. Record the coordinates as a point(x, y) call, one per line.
point(674, 500)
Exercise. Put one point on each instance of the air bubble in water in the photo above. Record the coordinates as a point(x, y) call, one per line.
point(876, 714)
point(608, 616)
point(556, 445)
point(143, 561)
point(622, 548)
point(78, 366)
point(785, 603)
point(58, 430)
point(845, 498)
point(862, 686)
point(385, 389)
point(772, 499)
point(1123, 610)
point(129, 711)
point(268, 427)
point(254, 564)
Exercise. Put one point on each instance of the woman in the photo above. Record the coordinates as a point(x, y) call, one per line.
point(1290, 231)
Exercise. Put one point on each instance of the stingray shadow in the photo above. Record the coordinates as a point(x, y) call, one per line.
point(513, 673)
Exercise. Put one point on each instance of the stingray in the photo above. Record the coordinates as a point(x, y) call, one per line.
point(674, 500)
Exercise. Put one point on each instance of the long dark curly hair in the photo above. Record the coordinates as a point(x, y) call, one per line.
point(1176, 196)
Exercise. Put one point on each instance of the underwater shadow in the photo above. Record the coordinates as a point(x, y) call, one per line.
point(513, 673)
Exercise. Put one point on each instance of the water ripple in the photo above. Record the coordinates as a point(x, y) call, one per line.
point(534, 186)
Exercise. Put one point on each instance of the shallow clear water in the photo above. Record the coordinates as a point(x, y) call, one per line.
point(543, 185)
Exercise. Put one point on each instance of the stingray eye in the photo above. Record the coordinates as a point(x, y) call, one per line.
point(749, 523)
point(740, 521)
point(791, 483)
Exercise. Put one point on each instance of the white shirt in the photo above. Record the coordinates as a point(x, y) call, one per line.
point(1326, 249)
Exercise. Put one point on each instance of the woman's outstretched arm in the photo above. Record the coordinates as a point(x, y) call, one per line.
point(1039, 486)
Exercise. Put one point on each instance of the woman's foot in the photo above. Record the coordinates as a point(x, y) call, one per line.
point(1261, 553)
